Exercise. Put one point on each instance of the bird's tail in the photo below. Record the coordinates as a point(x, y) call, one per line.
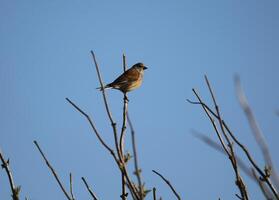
point(105, 87)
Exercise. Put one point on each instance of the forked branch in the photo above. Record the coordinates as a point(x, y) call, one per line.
point(225, 129)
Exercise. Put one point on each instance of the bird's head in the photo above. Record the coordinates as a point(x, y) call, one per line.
point(140, 66)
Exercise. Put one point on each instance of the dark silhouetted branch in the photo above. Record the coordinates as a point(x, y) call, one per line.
point(94, 128)
point(89, 189)
point(154, 194)
point(168, 183)
point(113, 123)
point(71, 187)
point(53, 171)
point(5, 165)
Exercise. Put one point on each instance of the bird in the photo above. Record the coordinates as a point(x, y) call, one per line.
point(129, 80)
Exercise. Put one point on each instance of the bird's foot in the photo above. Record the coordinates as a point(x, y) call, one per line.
point(126, 98)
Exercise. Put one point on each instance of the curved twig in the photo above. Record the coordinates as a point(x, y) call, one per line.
point(168, 183)
point(154, 193)
point(94, 128)
point(71, 187)
point(53, 171)
point(89, 189)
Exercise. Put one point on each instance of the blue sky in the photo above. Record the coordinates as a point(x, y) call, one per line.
point(45, 57)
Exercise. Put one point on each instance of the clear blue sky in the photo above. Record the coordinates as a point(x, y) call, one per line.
point(45, 57)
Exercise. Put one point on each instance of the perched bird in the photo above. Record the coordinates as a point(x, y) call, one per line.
point(129, 80)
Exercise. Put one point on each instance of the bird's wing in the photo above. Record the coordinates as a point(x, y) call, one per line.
point(128, 76)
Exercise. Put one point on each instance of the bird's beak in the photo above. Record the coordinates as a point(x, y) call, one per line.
point(144, 68)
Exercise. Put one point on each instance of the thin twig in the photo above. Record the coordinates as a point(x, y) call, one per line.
point(256, 130)
point(89, 189)
point(5, 165)
point(132, 194)
point(168, 183)
point(113, 123)
point(154, 193)
point(53, 171)
point(137, 169)
point(124, 62)
point(94, 128)
point(71, 187)
point(205, 108)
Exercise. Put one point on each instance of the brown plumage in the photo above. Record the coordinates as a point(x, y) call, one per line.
point(129, 80)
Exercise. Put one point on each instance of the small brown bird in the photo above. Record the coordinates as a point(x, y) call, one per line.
point(129, 80)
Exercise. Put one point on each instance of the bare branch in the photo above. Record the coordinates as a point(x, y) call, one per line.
point(256, 130)
point(94, 128)
point(53, 171)
point(208, 110)
point(5, 165)
point(239, 181)
point(113, 124)
point(100, 138)
point(89, 189)
point(264, 176)
point(137, 169)
point(154, 194)
point(205, 108)
point(71, 187)
point(168, 183)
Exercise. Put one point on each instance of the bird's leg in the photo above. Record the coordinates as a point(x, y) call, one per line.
point(126, 98)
